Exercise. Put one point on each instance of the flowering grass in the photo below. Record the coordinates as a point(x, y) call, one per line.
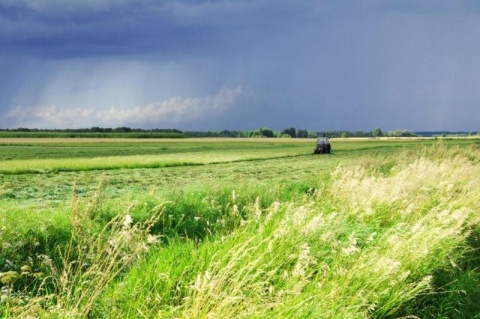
point(384, 236)
point(366, 245)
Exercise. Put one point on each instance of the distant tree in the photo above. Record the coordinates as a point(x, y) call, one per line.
point(302, 133)
point(377, 132)
point(344, 134)
point(358, 133)
point(264, 132)
point(400, 133)
point(122, 129)
point(290, 131)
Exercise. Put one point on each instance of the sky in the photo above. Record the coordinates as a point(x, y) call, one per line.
point(239, 65)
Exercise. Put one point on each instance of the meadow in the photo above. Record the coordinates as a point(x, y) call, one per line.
point(239, 228)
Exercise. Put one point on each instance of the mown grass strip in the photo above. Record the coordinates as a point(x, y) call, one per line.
point(100, 167)
point(141, 161)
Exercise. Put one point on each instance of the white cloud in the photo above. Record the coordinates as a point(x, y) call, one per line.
point(46, 117)
point(174, 111)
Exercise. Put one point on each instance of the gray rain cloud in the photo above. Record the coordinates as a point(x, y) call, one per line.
point(213, 65)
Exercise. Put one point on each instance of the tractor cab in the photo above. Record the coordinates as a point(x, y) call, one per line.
point(323, 146)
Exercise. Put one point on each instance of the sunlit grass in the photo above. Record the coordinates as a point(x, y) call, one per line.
point(43, 156)
point(383, 232)
point(358, 248)
point(108, 163)
point(185, 157)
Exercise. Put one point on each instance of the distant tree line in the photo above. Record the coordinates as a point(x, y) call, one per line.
point(298, 133)
point(94, 129)
point(447, 133)
point(261, 132)
point(94, 132)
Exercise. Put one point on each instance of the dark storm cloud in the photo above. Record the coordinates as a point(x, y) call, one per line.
point(77, 29)
point(90, 31)
point(333, 64)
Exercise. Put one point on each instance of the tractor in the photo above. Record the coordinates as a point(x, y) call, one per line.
point(323, 146)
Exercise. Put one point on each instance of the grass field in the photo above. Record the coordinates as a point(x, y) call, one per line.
point(239, 228)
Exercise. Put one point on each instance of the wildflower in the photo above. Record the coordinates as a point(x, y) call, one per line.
point(235, 210)
point(417, 227)
point(114, 243)
point(258, 210)
point(281, 230)
point(127, 221)
point(151, 239)
point(270, 246)
point(303, 261)
point(404, 275)
point(274, 209)
point(371, 237)
point(350, 250)
point(299, 215)
point(314, 224)
point(387, 266)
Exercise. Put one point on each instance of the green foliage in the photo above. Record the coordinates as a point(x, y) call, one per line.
point(377, 132)
point(122, 133)
point(261, 132)
point(290, 131)
point(302, 133)
point(401, 133)
point(136, 133)
point(381, 229)
point(287, 256)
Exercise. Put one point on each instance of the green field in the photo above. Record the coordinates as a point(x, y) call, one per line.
point(239, 228)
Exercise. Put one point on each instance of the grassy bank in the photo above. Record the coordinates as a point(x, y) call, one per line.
point(368, 232)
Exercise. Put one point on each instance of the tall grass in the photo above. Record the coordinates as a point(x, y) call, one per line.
point(390, 237)
point(364, 247)
point(94, 256)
